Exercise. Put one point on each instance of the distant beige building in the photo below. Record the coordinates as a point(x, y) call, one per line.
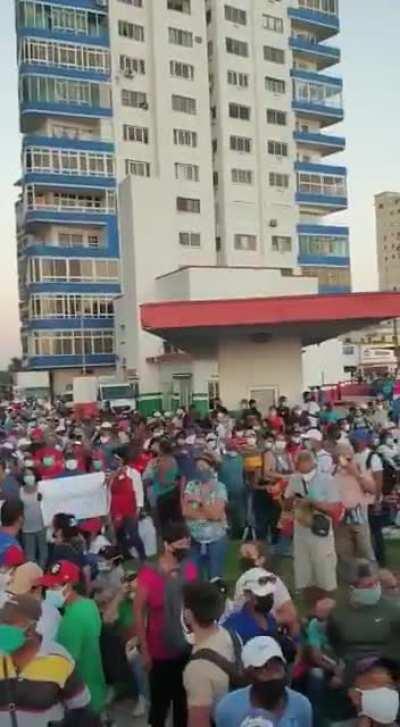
point(387, 210)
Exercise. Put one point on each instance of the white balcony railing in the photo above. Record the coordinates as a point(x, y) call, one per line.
point(329, 7)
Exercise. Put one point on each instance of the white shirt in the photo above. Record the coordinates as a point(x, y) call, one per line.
point(375, 463)
point(324, 462)
point(48, 624)
point(137, 486)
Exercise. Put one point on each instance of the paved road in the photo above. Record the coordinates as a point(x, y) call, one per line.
point(122, 718)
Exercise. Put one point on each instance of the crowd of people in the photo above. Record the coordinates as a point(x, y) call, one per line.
point(239, 578)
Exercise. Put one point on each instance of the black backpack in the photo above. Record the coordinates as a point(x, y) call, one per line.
point(390, 475)
point(234, 670)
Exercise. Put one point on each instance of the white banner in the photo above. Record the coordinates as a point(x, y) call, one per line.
point(84, 496)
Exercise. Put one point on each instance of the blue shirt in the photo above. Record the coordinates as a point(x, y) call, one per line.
point(235, 710)
point(244, 624)
point(231, 473)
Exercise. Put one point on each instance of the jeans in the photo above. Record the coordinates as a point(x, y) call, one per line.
point(128, 537)
point(210, 557)
point(166, 688)
point(267, 513)
point(140, 676)
point(36, 548)
point(376, 523)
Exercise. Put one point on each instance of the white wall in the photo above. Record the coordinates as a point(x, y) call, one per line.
point(324, 363)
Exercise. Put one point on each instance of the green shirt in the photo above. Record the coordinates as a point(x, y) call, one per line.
point(79, 633)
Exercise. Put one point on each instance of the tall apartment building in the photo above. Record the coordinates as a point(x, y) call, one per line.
point(218, 121)
point(387, 212)
point(67, 233)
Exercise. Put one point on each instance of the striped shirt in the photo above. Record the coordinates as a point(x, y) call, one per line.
point(43, 689)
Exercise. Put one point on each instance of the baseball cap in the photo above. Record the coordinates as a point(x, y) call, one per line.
point(25, 577)
point(19, 605)
point(314, 434)
point(258, 581)
point(106, 425)
point(61, 573)
point(260, 651)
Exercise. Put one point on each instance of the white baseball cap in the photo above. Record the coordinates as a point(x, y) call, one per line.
point(106, 425)
point(256, 580)
point(260, 651)
point(314, 434)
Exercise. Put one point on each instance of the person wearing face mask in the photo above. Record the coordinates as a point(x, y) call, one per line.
point(206, 677)
point(163, 648)
point(316, 502)
point(374, 693)
point(24, 580)
point(56, 687)
point(370, 463)
point(275, 422)
point(314, 442)
point(268, 700)
point(33, 529)
point(80, 627)
point(183, 454)
point(204, 509)
point(380, 417)
point(277, 466)
point(367, 624)
point(72, 468)
point(49, 460)
point(11, 518)
point(69, 544)
point(9, 487)
point(106, 442)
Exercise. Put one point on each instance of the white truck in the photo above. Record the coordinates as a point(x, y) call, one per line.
point(107, 391)
point(32, 385)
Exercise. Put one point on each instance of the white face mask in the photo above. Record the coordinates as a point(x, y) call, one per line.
point(5, 578)
point(251, 441)
point(280, 445)
point(104, 439)
point(71, 465)
point(381, 705)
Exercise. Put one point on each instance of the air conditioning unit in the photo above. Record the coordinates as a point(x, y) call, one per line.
point(128, 73)
point(273, 223)
point(198, 39)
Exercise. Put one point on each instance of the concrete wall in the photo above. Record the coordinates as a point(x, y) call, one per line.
point(245, 365)
point(219, 283)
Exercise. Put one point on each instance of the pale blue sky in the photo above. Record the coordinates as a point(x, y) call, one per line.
point(371, 72)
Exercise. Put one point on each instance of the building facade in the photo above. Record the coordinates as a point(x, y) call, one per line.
point(213, 117)
point(68, 250)
point(387, 213)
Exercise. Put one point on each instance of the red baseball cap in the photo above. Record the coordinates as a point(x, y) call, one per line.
point(59, 574)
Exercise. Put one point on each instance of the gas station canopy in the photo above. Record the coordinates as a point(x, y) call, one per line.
point(313, 318)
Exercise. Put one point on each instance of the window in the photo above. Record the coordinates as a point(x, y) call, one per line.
point(235, 15)
point(236, 111)
point(65, 91)
point(67, 161)
point(72, 343)
point(131, 66)
point(330, 276)
point(274, 55)
point(72, 270)
point(135, 3)
point(187, 172)
point(71, 306)
point(190, 239)
point(245, 242)
point(238, 79)
point(320, 94)
point(322, 6)
point(181, 70)
point(184, 104)
point(137, 168)
point(276, 117)
point(278, 148)
point(281, 243)
point(184, 137)
point(185, 204)
point(270, 22)
point(237, 47)
point(324, 245)
point(278, 180)
point(135, 99)
point(242, 176)
point(181, 6)
point(131, 30)
point(136, 133)
point(321, 184)
point(68, 55)
point(240, 143)
point(276, 85)
point(180, 37)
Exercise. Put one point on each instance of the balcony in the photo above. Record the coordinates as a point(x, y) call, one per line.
point(323, 245)
point(74, 60)
point(318, 97)
point(321, 189)
point(81, 142)
point(323, 24)
point(66, 206)
point(62, 362)
point(323, 56)
point(324, 144)
point(76, 20)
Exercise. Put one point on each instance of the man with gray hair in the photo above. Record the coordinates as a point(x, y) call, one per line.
point(315, 499)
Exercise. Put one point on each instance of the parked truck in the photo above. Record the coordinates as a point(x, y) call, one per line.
point(107, 391)
point(32, 385)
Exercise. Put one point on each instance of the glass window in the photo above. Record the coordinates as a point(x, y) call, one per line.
point(276, 117)
point(177, 36)
point(281, 243)
point(237, 47)
point(240, 143)
point(238, 79)
point(279, 180)
point(131, 30)
point(185, 204)
point(184, 104)
point(271, 22)
point(245, 242)
point(274, 55)
point(278, 148)
point(235, 15)
point(180, 6)
point(242, 176)
point(190, 239)
point(135, 99)
point(187, 172)
point(237, 111)
point(275, 85)
point(137, 168)
point(181, 70)
point(184, 137)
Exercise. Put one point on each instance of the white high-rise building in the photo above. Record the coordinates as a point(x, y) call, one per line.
point(218, 113)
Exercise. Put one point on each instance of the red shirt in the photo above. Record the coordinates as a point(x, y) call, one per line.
point(55, 469)
point(141, 461)
point(123, 498)
point(276, 424)
point(153, 583)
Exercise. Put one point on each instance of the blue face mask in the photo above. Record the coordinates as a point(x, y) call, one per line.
point(204, 475)
point(366, 596)
point(55, 597)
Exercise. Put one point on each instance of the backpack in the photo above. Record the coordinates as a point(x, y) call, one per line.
point(233, 670)
point(390, 477)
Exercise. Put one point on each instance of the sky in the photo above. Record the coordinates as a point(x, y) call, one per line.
point(371, 71)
